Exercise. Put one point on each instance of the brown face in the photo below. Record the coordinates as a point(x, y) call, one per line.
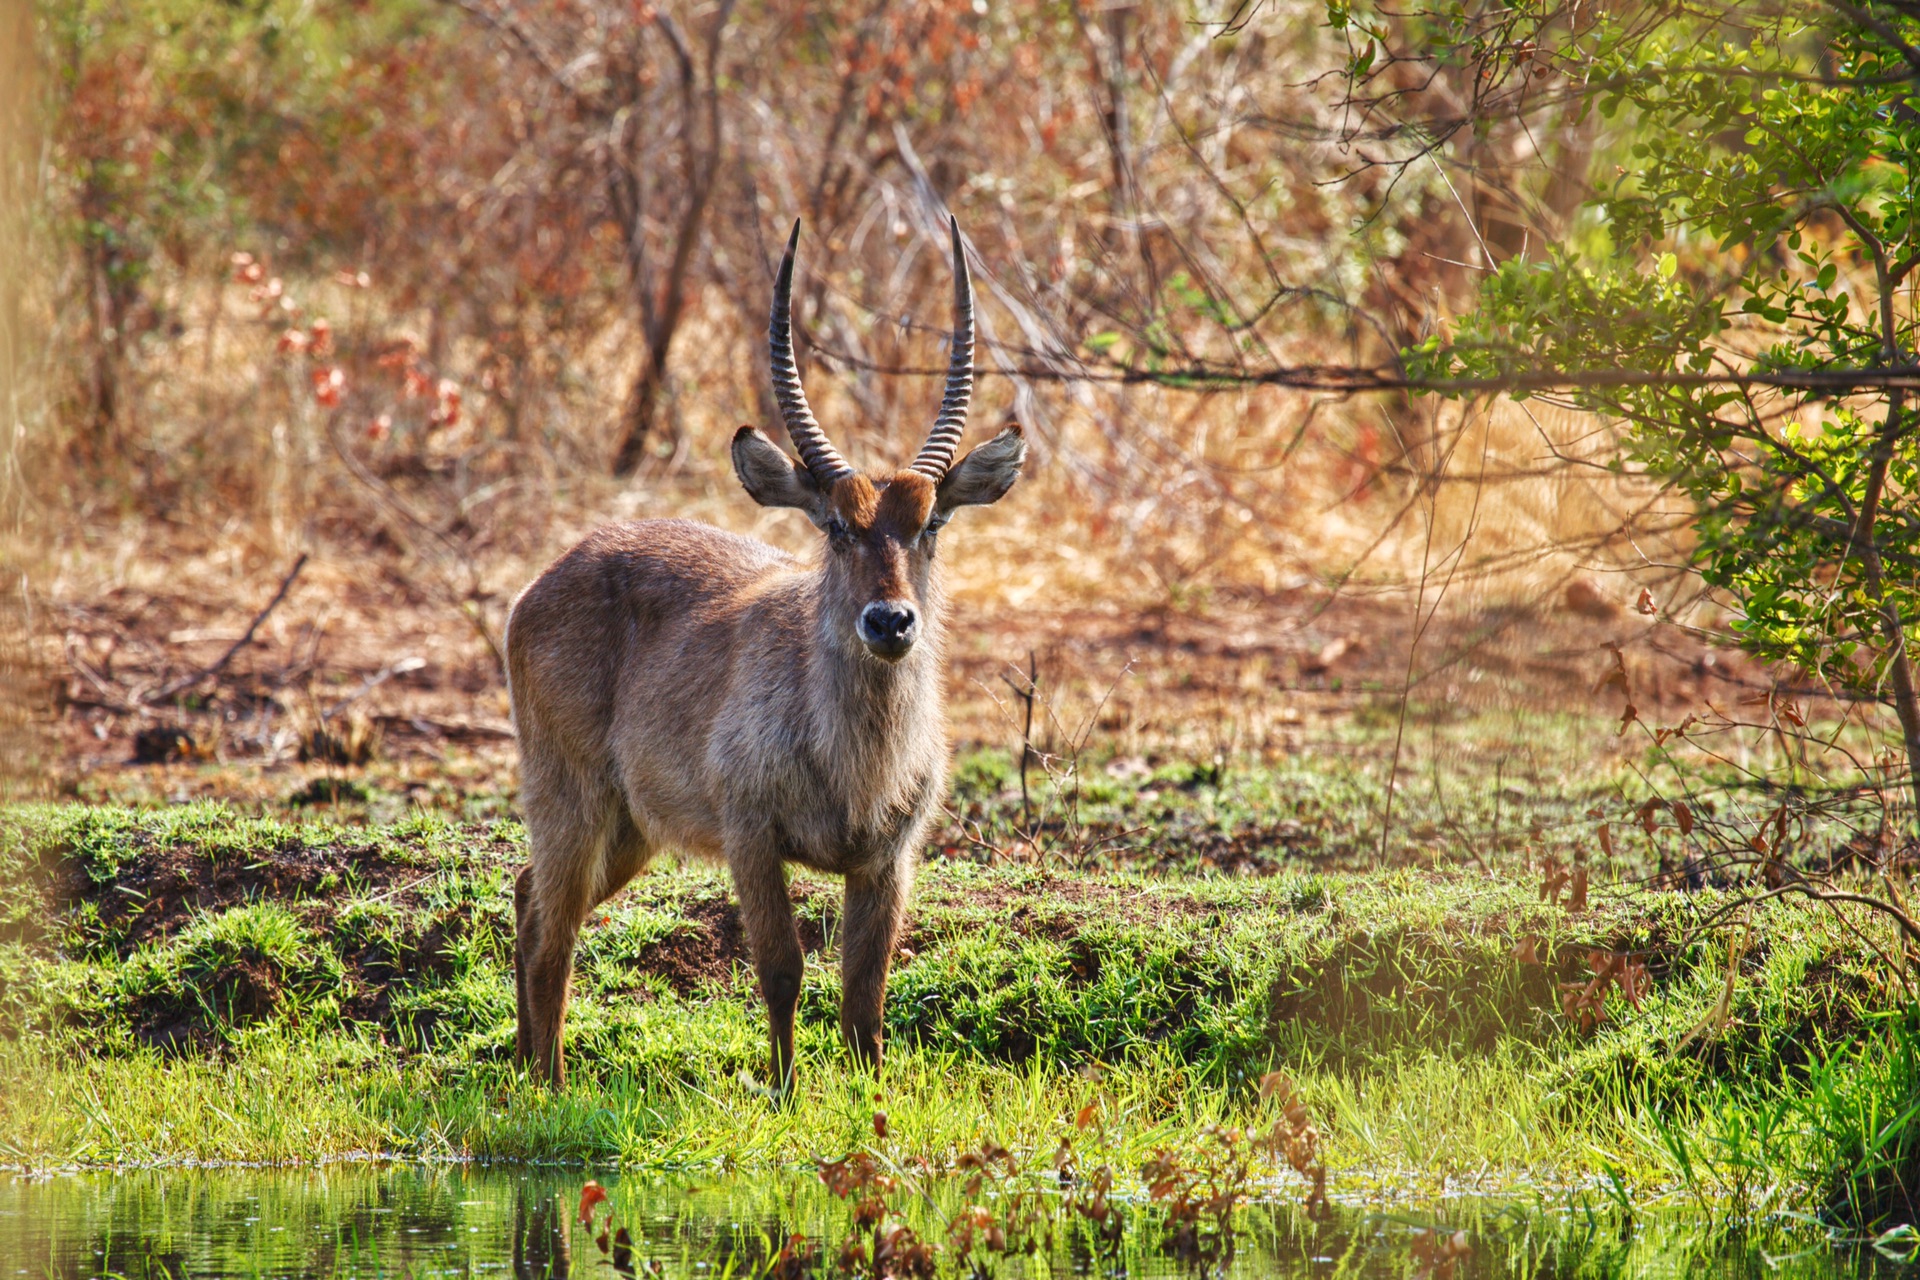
point(880, 534)
point(879, 551)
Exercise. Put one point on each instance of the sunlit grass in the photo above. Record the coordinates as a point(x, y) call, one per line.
point(1121, 1012)
point(287, 1100)
point(1433, 1122)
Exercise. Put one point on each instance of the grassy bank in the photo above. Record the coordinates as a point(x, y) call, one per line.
point(196, 984)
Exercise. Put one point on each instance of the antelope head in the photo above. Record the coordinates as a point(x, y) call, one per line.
point(880, 529)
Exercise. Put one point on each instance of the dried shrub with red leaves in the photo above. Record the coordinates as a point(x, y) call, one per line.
point(1008, 1216)
point(1296, 1139)
point(878, 1243)
point(1200, 1189)
point(614, 1241)
point(1586, 1002)
point(1437, 1253)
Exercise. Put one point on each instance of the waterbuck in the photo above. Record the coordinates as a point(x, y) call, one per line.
point(676, 686)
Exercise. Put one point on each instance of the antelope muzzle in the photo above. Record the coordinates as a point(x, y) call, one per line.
point(888, 628)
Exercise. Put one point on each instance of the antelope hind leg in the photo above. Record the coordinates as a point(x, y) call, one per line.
point(573, 831)
point(548, 964)
point(525, 926)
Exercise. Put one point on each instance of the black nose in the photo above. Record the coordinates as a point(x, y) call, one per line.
point(888, 627)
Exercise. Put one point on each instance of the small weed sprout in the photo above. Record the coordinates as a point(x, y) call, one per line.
point(1054, 828)
point(1585, 1002)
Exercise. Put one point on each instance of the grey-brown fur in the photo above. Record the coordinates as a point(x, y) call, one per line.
point(675, 686)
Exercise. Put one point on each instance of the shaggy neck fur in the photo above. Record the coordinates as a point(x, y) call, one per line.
point(878, 727)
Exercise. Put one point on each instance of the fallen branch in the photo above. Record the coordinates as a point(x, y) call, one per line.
point(101, 684)
point(374, 681)
point(219, 664)
point(455, 730)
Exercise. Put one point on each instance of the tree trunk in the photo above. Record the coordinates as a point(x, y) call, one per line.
point(103, 373)
point(701, 160)
point(636, 416)
point(1906, 698)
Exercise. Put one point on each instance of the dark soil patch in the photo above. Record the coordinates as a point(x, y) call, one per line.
point(1058, 906)
point(157, 891)
point(240, 993)
point(325, 790)
point(701, 953)
point(705, 951)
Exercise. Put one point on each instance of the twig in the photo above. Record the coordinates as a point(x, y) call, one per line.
point(100, 683)
point(1026, 696)
point(1206, 377)
point(219, 664)
point(374, 681)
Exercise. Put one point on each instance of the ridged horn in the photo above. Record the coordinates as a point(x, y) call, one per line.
point(817, 453)
point(936, 455)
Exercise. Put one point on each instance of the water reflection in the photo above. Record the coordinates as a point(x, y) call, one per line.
point(361, 1221)
point(541, 1248)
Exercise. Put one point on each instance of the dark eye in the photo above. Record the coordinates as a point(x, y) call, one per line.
point(837, 529)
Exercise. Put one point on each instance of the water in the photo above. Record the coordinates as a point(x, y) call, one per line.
point(351, 1221)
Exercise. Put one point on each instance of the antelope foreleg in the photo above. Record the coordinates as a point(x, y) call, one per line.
point(767, 915)
point(875, 904)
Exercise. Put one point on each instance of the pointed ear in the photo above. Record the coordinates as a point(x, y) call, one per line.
point(984, 475)
point(773, 479)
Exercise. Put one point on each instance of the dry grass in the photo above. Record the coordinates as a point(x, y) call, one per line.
point(1259, 579)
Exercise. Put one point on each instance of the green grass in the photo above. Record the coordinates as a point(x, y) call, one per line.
point(196, 984)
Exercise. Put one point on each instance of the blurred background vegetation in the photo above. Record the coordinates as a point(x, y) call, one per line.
point(534, 240)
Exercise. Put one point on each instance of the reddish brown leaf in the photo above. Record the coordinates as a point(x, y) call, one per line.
point(1616, 678)
point(590, 1195)
point(1275, 1082)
